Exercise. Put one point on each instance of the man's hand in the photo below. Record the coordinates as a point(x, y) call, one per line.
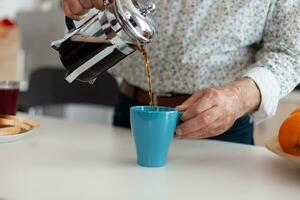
point(76, 9)
point(211, 112)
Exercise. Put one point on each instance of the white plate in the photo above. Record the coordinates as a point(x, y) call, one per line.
point(11, 138)
point(273, 145)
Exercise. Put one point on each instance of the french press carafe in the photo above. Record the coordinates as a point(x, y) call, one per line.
point(105, 39)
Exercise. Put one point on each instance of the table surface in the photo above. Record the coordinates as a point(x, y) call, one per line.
point(71, 160)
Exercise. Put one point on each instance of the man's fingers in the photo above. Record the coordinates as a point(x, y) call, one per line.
point(76, 17)
point(190, 101)
point(196, 109)
point(86, 4)
point(98, 4)
point(67, 9)
point(202, 133)
point(218, 127)
point(76, 8)
point(207, 100)
point(198, 122)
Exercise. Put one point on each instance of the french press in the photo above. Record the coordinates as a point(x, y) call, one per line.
point(105, 39)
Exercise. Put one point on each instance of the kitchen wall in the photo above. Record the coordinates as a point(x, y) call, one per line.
point(38, 29)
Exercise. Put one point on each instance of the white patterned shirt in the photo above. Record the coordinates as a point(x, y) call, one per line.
point(208, 43)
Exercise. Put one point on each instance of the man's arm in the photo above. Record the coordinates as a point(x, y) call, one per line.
point(275, 73)
point(211, 112)
point(277, 67)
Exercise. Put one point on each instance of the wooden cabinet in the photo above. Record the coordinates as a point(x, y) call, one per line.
point(10, 65)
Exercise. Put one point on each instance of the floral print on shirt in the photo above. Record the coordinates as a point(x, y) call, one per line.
point(207, 43)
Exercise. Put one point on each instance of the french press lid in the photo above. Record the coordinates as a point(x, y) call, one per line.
point(136, 19)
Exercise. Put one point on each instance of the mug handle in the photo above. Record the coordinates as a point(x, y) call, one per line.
point(179, 117)
point(179, 121)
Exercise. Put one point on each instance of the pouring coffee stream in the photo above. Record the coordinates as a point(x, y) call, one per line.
point(106, 38)
point(148, 73)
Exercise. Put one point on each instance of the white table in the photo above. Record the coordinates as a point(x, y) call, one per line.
point(70, 161)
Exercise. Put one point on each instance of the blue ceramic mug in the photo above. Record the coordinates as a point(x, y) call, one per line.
point(153, 129)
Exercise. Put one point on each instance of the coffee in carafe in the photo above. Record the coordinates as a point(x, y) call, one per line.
point(76, 52)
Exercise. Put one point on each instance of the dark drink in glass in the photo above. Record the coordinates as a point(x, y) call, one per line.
point(9, 92)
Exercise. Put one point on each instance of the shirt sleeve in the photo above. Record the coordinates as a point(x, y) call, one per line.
point(276, 70)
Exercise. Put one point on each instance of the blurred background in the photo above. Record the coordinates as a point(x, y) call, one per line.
point(25, 55)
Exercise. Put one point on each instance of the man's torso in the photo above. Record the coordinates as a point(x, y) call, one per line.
point(199, 44)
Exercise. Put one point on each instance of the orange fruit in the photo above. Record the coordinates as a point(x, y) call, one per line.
point(289, 135)
point(295, 111)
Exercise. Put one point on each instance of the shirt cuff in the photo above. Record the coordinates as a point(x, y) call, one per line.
point(269, 91)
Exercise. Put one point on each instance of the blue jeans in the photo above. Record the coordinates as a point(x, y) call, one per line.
point(240, 132)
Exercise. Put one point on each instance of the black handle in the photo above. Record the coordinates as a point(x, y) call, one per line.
point(70, 24)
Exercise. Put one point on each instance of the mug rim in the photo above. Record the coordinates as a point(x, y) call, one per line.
point(139, 108)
